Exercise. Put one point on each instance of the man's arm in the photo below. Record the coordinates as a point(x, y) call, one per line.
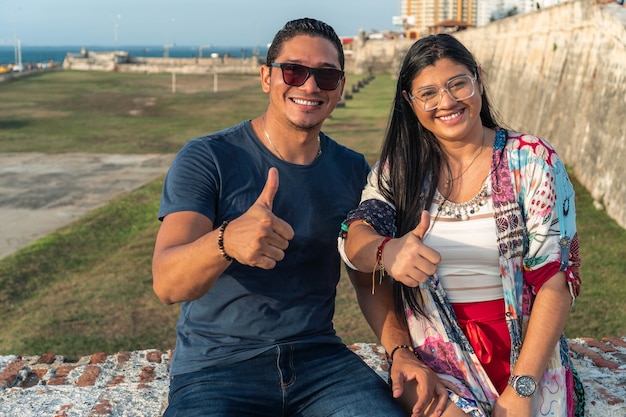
point(416, 385)
point(187, 259)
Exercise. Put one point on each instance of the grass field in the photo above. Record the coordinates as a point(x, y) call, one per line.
point(87, 287)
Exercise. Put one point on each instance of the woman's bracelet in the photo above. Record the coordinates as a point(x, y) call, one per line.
point(379, 266)
point(220, 241)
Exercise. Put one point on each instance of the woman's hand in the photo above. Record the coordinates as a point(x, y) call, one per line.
point(407, 259)
point(509, 404)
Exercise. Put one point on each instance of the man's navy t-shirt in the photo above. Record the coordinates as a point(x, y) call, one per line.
point(250, 309)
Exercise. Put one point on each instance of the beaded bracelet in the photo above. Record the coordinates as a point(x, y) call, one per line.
point(390, 359)
point(378, 266)
point(399, 347)
point(220, 241)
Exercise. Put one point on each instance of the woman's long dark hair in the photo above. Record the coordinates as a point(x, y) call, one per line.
point(411, 155)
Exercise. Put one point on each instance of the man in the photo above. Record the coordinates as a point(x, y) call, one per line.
point(248, 246)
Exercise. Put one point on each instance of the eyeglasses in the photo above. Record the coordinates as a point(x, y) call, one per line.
point(459, 88)
point(296, 75)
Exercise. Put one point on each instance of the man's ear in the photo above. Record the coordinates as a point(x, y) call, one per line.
point(342, 85)
point(340, 88)
point(266, 76)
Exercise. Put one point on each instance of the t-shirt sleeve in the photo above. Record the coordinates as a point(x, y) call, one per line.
point(191, 183)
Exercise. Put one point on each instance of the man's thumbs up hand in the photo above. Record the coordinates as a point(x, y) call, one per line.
point(258, 237)
point(266, 198)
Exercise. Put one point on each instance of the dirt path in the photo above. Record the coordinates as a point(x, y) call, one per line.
point(40, 193)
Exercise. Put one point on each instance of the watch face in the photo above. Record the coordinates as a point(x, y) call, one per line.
point(525, 386)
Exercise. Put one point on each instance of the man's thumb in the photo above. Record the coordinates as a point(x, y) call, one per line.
point(269, 190)
point(421, 229)
point(397, 386)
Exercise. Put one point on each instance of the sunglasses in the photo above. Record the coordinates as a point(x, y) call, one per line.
point(295, 75)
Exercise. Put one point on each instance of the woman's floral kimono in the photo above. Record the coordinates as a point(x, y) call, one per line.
point(533, 202)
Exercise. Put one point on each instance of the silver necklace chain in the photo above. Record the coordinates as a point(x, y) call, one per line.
point(482, 146)
point(267, 136)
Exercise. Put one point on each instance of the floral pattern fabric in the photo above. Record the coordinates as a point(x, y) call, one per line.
point(534, 213)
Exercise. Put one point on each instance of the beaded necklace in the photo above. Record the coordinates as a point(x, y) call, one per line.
point(462, 211)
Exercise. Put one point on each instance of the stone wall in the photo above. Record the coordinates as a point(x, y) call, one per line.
point(135, 384)
point(561, 74)
point(221, 65)
point(377, 56)
point(558, 73)
point(121, 61)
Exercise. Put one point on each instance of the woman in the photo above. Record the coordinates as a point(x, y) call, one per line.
point(483, 281)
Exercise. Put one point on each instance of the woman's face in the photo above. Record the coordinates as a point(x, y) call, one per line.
point(451, 119)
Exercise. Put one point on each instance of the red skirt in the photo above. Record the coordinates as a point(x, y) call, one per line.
point(484, 325)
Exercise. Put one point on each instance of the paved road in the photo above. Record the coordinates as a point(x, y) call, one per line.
point(40, 193)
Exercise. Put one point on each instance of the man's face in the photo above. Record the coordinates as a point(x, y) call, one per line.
point(307, 106)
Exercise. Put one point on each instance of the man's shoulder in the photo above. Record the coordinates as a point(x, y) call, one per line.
point(227, 133)
point(344, 151)
point(221, 139)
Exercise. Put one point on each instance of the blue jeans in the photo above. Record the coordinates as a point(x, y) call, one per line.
point(307, 380)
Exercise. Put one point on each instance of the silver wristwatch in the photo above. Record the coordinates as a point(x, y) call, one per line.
point(524, 385)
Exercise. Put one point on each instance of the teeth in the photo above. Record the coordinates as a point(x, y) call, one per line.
point(451, 116)
point(305, 102)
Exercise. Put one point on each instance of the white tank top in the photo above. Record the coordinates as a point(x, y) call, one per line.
point(469, 270)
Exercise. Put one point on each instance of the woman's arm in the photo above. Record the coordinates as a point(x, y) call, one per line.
point(406, 259)
point(546, 324)
point(543, 182)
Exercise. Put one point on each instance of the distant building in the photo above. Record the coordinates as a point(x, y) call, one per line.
point(426, 16)
point(421, 17)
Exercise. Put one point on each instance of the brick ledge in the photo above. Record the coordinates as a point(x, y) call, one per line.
point(135, 384)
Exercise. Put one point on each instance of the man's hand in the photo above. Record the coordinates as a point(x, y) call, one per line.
point(408, 373)
point(258, 237)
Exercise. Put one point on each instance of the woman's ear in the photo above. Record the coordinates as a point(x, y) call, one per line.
point(479, 74)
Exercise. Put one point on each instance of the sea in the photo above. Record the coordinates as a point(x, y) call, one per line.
point(56, 54)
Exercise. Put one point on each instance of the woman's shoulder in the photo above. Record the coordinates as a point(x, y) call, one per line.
point(531, 146)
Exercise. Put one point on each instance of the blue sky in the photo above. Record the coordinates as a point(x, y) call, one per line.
point(182, 22)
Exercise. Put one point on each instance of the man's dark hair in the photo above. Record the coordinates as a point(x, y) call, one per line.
point(305, 26)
